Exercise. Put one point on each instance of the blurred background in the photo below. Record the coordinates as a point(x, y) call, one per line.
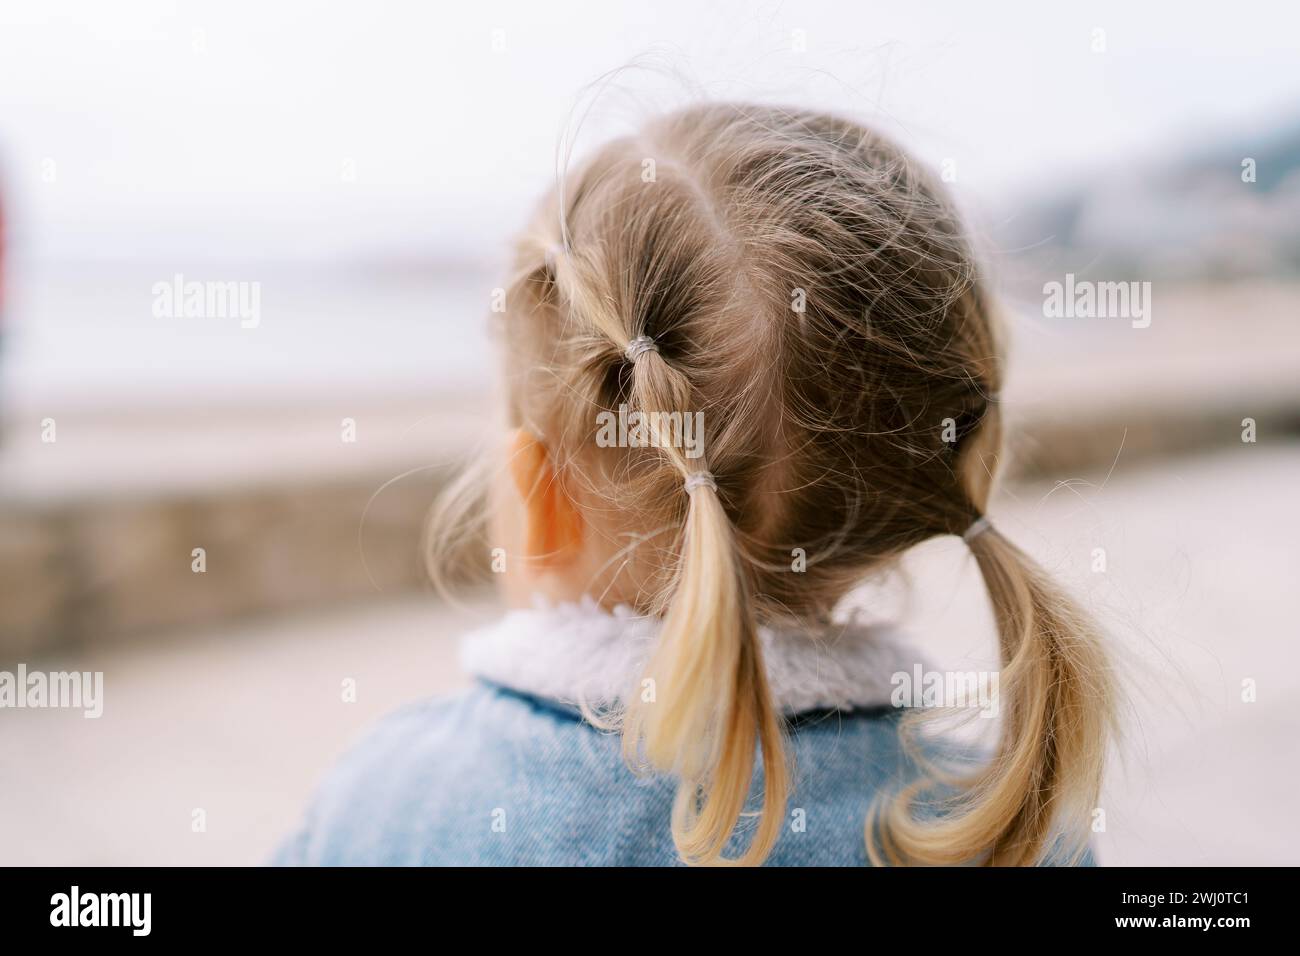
point(360, 169)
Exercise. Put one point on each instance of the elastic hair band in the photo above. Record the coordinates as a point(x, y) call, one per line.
point(701, 479)
point(977, 528)
point(639, 346)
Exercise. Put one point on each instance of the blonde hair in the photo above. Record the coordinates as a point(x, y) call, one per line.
point(812, 292)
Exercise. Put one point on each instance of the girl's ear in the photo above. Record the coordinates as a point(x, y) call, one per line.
point(552, 533)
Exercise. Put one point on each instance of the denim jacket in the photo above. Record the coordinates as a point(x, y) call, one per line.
point(508, 772)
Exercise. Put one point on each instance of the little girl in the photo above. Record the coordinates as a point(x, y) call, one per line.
point(673, 684)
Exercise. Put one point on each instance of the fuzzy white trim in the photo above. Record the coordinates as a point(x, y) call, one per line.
point(583, 654)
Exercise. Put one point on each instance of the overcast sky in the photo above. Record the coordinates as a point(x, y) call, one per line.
point(294, 130)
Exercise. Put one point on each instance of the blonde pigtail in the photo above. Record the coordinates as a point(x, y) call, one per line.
point(709, 708)
point(1055, 698)
point(704, 709)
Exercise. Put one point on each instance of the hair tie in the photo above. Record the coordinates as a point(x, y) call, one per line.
point(701, 479)
point(639, 346)
point(977, 528)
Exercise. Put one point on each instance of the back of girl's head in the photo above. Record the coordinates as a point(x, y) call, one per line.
point(809, 290)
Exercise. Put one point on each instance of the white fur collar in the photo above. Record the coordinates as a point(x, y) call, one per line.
point(582, 654)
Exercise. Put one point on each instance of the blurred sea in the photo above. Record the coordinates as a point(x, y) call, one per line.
point(87, 335)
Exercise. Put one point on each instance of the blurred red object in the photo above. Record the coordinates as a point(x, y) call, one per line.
point(2, 254)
